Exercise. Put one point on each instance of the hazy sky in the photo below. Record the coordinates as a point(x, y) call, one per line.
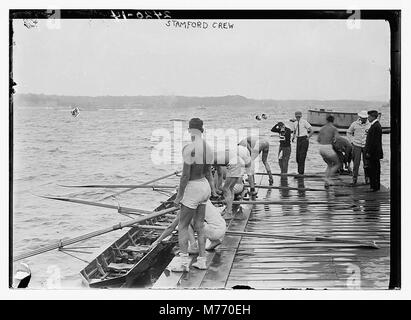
point(279, 59)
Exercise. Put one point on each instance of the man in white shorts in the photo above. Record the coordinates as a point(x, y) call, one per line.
point(193, 192)
point(238, 161)
point(327, 135)
point(219, 175)
point(214, 229)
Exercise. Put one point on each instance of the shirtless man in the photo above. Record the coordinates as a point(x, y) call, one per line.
point(256, 146)
point(193, 193)
point(238, 162)
point(327, 135)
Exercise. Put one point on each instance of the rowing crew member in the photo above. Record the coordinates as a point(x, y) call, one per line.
point(327, 135)
point(193, 193)
point(284, 151)
point(343, 148)
point(239, 190)
point(256, 146)
point(219, 175)
point(214, 230)
point(237, 162)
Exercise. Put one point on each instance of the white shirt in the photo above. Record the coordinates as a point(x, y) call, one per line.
point(239, 155)
point(357, 133)
point(213, 217)
point(304, 127)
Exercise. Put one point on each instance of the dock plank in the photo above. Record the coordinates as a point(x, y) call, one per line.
point(219, 270)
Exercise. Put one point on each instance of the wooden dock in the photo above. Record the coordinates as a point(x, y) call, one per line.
point(351, 213)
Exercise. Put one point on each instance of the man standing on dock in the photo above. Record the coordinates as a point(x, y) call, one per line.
point(373, 150)
point(303, 131)
point(327, 135)
point(357, 133)
point(284, 151)
point(193, 193)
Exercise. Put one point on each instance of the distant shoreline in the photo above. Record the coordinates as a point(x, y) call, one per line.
point(34, 100)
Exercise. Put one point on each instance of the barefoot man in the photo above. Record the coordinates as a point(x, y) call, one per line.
point(193, 193)
point(328, 133)
point(238, 162)
point(256, 146)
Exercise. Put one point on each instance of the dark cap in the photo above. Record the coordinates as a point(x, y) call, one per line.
point(330, 118)
point(373, 113)
point(196, 123)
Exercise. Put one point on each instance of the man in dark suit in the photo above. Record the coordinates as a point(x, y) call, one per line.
point(373, 150)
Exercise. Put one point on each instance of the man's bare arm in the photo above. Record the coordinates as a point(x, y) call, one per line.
point(185, 177)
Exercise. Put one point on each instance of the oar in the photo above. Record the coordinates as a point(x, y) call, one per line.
point(365, 244)
point(120, 225)
point(275, 202)
point(292, 175)
point(296, 203)
point(146, 183)
point(119, 186)
point(124, 186)
point(285, 188)
point(98, 204)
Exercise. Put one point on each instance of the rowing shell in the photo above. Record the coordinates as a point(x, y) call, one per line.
point(129, 257)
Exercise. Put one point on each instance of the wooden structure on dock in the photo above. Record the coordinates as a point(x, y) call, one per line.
point(351, 213)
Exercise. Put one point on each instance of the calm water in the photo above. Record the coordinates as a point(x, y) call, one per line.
point(107, 145)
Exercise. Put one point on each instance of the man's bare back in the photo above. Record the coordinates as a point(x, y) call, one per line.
point(200, 156)
point(252, 142)
point(327, 134)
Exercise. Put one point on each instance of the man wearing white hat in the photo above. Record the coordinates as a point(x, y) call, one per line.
point(357, 134)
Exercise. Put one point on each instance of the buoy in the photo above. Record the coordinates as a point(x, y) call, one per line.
point(264, 116)
point(257, 117)
point(75, 112)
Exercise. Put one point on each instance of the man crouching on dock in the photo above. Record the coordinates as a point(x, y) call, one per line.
point(256, 146)
point(214, 230)
point(238, 162)
point(193, 193)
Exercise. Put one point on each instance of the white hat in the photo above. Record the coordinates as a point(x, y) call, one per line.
point(363, 114)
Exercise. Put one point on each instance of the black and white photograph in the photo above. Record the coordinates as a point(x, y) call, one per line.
point(217, 149)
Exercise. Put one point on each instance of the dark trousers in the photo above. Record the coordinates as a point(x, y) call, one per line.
point(283, 162)
point(301, 153)
point(357, 152)
point(374, 171)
